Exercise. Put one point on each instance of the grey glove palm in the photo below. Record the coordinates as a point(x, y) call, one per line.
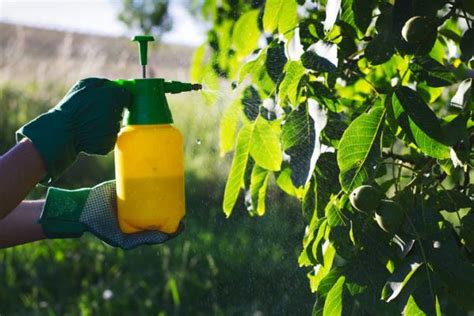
point(69, 213)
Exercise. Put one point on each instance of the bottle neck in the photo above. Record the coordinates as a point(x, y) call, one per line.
point(149, 105)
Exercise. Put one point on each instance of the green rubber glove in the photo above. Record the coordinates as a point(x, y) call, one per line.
point(86, 120)
point(70, 213)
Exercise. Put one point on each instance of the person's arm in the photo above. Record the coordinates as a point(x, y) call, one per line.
point(21, 225)
point(69, 214)
point(21, 168)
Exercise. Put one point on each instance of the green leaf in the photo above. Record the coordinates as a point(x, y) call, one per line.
point(363, 13)
point(327, 181)
point(258, 189)
point(365, 276)
point(197, 64)
point(466, 45)
point(246, 33)
point(450, 200)
point(334, 300)
point(308, 205)
point(288, 18)
point(463, 95)
point(281, 14)
point(276, 60)
point(172, 287)
point(210, 80)
point(321, 57)
point(432, 72)
point(380, 49)
point(265, 145)
point(228, 127)
point(423, 125)
point(332, 133)
point(334, 213)
point(347, 14)
point(294, 71)
point(253, 66)
point(317, 247)
point(321, 270)
point(457, 273)
point(359, 149)
point(251, 102)
point(300, 140)
point(284, 182)
point(329, 280)
point(332, 11)
point(256, 69)
point(399, 279)
point(454, 129)
point(411, 309)
point(237, 169)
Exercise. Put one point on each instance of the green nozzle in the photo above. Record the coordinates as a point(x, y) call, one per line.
point(178, 87)
point(143, 48)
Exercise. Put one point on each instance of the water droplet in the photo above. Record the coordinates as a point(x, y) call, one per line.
point(107, 294)
point(198, 141)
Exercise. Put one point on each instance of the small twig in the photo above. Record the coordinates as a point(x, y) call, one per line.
point(398, 157)
point(421, 172)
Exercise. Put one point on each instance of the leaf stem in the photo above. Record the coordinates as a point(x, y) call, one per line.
point(394, 156)
point(420, 173)
point(400, 164)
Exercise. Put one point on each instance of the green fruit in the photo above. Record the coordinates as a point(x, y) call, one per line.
point(421, 33)
point(389, 216)
point(365, 198)
point(467, 45)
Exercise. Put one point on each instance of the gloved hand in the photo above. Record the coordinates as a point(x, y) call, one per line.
point(86, 120)
point(70, 213)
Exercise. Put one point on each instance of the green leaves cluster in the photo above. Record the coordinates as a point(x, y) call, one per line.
point(337, 94)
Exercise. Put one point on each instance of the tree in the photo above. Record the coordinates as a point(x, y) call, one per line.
point(151, 17)
point(336, 94)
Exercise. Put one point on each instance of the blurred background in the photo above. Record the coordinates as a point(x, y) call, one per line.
point(238, 266)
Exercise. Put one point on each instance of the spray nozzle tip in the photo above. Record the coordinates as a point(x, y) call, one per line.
point(197, 86)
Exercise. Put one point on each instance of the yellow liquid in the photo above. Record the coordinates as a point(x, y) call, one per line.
point(149, 169)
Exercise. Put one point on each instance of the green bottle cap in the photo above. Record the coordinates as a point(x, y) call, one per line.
point(149, 105)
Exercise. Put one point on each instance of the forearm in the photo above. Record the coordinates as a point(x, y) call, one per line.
point(21, 226)
point(21, 168)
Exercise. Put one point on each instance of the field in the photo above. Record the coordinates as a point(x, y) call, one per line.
point(217, 266)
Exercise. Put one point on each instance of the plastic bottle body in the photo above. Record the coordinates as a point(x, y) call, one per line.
point(149, 169)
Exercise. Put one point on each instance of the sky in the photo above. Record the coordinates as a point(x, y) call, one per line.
point(97, 17)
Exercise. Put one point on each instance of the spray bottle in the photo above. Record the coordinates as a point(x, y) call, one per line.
point(149, 160)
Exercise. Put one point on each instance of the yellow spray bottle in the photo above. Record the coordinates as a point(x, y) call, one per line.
point(149, 162)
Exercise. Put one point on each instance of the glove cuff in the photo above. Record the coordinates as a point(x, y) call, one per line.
point(61, 213)
point(50, 137)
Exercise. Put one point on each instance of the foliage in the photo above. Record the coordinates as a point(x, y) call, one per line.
point(332, 97)
point(151, 17)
